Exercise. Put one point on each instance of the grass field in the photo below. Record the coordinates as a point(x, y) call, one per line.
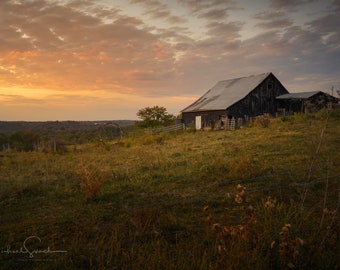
point(252, 198)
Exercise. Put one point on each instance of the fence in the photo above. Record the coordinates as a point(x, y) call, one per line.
point(169, 129)
point(230, 123)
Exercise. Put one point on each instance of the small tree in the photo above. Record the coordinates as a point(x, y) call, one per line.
point(155, 116)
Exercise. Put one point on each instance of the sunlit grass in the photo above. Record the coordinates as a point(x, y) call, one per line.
point(197, 200)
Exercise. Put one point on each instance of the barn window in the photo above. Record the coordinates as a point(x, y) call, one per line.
point(270, 86)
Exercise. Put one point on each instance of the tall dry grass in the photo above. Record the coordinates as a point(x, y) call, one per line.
point(270, 200)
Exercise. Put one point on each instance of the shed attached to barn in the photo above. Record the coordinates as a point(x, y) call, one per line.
point(237, 99)
point(306, 101)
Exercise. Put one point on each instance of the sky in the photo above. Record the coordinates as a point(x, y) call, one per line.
point(106, 59)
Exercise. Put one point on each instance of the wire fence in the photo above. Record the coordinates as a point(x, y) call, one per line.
point(169, 129)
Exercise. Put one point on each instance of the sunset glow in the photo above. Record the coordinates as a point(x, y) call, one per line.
point(93, 60)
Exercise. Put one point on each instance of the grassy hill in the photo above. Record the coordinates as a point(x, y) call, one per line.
point(252, 198)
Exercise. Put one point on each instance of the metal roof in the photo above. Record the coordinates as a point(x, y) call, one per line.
point(300, 95)
point(226, 93)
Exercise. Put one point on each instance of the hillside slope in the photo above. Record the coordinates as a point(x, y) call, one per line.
point(253, 198)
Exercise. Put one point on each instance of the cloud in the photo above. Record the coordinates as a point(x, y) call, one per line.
point(83, 48)
point(215, 9)
point(220, 38)
point(336, 5)
point(10, 100)
point(60, 47)
point(230, 30)
point(327, 26)
point(273, 19)
point(289, 4)
point(151, 75)
point(158, 10)
point(214, 14)
point(83, 106)
point(295, 52)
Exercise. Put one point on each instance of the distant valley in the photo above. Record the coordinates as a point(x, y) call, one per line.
point(57, 127)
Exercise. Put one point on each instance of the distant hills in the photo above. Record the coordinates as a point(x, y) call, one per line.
point(55, 127)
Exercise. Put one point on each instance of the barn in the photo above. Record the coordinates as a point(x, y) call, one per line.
point(235, 101)
point(306, 102)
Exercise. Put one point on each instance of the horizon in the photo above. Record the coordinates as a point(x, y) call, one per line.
point(70, 60)
point(28, 121)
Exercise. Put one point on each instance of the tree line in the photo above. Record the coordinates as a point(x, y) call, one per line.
point(151, 117)
point(31, 141)
point(20, 141)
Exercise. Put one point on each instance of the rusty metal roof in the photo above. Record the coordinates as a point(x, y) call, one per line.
point(226, 93)
point(300, 95)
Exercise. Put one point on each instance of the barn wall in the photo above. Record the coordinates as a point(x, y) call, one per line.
point(320, 101)
point(312, 104)
point(209, 118)
point(291, 105)
point(259, 101)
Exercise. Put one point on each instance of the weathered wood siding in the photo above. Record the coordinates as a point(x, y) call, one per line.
point(311, 104)
point(209, 118)
point(259, 101)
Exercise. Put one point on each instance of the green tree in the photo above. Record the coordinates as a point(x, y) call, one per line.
point(155, 116)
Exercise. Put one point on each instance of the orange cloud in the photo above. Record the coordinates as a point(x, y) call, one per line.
point(161, 50)
point(13, 56)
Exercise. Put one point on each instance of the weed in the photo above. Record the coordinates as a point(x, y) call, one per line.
point(92, 180)
point(127, 143)
point(263, 120)
point(289, 247)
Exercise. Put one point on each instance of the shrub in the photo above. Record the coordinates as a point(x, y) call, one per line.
point(263, 120)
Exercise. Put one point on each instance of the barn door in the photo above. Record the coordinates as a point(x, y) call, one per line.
point(198, 122)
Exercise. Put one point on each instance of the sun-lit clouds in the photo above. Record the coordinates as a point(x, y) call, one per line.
point(85, 105)
point(76, 50)
point(162, 50)
point(114, 54)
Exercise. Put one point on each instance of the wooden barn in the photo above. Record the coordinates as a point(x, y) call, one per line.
point(306, 102)
point(231, 102)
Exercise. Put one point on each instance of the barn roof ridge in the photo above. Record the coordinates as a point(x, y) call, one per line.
point(243, 77)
